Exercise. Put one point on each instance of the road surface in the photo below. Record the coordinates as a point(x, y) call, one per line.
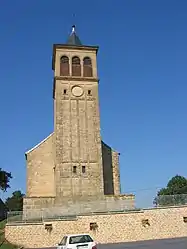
point(151, 244)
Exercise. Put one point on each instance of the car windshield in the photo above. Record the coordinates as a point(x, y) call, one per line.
point(80, 239)
point(63, 241)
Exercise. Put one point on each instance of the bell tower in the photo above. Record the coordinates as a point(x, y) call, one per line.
point(72, 171)
point(77, 140)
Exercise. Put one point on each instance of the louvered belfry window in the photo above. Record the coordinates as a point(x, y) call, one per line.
point(76, 66)
point(64, 66)
point(87, 67)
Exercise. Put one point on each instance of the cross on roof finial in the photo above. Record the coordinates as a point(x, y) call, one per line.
point(73, 38)
point(73, 29)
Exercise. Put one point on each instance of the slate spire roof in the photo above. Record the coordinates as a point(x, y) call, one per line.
point(73, 39)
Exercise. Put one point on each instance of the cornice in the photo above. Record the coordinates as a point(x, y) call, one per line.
point(76, 78)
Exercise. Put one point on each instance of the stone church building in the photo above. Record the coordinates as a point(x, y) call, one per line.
point(73, 170)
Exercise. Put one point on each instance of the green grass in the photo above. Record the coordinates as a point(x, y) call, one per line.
point(3, 243)
point(2, 224)
point(7, 246)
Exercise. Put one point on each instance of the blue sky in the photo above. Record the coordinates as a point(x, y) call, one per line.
point(142, 69)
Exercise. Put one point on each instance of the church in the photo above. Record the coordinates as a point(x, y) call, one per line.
point(73, 170)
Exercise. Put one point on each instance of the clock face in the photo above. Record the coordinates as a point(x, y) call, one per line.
point(77, 91)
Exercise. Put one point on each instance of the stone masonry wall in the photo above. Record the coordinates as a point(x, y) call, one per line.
point(40, 169)
point(107, 169)
point(112, 228)
point(77, 130)
point(47, 206)
point(116, 172)
point(38, 203)
point(120, 202)
point(111, 174)
point(77, 142)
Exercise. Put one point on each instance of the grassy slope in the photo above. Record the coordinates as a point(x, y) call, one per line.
point(5, 245)
point(2, 224)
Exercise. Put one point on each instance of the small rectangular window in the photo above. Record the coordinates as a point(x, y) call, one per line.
point(185, 219)
point(83, 169)
point(89, 92)
point(65, 91)
point(74, 169)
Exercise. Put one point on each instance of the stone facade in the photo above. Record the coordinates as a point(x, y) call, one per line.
point(51, 209)
point(110, 170)
point(73, 164)
point(40, 169)
point(122, 227)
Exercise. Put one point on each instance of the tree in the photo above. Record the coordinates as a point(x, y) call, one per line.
point(15, 202)
point(175, 193)
point(4, 180)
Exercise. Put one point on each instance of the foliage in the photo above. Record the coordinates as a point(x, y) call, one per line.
point(2, 224)
point(4, 179)
point(7, 245)
point(15, 202)
point(4, 244)
point(175, 193)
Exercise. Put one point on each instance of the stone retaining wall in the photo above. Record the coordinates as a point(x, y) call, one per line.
point(123, 227)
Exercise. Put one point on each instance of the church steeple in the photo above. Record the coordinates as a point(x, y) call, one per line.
point(73, 38)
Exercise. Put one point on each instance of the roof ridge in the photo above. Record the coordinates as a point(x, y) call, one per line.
point(37, 145)
point(73, 39)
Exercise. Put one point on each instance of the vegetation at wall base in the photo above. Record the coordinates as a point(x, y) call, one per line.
point(4, 244)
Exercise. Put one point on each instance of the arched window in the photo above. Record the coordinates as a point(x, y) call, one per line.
point(87, 67)
point(64, 66)
point(76, 66)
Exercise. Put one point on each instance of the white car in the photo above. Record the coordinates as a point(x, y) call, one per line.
point(77, 241)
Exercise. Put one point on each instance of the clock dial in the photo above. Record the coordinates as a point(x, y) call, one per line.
point(77, 91)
